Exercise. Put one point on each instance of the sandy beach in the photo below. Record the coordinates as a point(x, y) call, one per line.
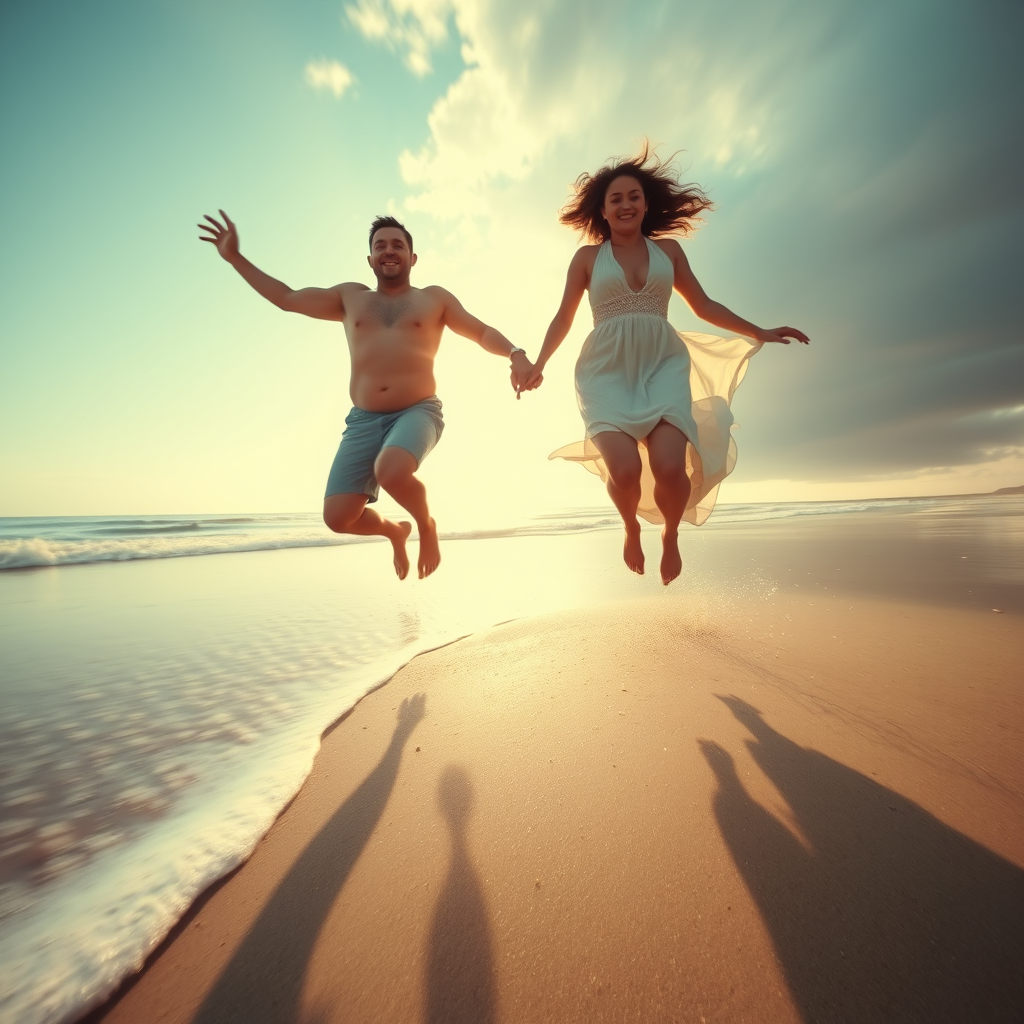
point(805, 807)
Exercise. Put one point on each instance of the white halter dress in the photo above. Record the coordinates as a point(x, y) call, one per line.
point(635, 370)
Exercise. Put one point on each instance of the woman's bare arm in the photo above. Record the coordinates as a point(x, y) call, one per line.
point(714, 312)
point(576, 281)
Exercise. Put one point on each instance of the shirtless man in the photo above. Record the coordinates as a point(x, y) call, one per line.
point(394, 332)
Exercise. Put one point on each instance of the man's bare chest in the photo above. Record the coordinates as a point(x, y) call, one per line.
point(411, 311)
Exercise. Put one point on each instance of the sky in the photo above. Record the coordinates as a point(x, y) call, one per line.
point(864, 156)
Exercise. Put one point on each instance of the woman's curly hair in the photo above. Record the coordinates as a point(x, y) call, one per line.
point(671, 208)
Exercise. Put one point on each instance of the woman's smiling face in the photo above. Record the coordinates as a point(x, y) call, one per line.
point(624, 203)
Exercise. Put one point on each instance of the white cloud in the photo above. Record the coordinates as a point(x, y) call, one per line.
point(329, 75)
point(409, 27)
point(550, 84)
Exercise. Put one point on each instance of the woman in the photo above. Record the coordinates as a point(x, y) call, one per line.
point(655, 402)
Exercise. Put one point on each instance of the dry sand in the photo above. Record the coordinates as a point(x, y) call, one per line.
point(792, 809)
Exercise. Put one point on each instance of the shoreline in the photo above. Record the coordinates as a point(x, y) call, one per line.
point(922, 736)
point(142, 543)
point(387, 667)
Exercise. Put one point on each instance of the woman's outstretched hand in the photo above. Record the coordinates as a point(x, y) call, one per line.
point(224, 236)
point(783, 336)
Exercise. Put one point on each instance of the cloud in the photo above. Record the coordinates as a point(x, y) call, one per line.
point(329, 75)
point(544, 80)
point(408, 27)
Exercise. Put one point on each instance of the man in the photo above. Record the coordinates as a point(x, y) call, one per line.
point(394, 332)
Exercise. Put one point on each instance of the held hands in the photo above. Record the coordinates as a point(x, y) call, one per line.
point(224, 236)
point(783, 336)
point(523, 372)
point(531, 380)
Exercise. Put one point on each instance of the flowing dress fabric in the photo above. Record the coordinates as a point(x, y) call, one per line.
point(635, 370)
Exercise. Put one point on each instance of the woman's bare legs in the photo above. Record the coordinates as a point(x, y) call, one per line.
point(622, 460)
point(666, 447)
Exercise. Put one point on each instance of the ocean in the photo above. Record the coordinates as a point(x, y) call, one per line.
point(165, 680)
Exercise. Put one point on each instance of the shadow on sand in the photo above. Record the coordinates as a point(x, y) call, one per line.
point(263, 981)
point(890, 915)
point(460, 971)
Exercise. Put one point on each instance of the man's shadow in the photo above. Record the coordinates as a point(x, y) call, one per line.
point(891, 915)
point(460, 971)
point(263, 981)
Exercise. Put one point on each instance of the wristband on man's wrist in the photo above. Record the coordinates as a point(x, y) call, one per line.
point(516, 349)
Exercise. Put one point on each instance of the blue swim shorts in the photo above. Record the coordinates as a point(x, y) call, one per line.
point(416, 429)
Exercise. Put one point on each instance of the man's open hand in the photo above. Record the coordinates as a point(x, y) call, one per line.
point(224, 236)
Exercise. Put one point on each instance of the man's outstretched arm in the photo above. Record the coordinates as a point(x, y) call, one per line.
point(490, 340)
point(322, 303)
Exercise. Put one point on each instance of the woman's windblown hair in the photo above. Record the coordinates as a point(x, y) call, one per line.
point(671, 208)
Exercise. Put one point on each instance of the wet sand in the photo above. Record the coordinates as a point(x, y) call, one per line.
point(794, 807)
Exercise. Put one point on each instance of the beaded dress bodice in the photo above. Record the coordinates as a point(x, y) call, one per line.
point(611, 296)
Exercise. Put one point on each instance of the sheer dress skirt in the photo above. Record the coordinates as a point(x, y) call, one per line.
point(634, 371)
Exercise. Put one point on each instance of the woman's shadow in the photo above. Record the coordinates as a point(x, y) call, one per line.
point(460, 972)
point(891, 915)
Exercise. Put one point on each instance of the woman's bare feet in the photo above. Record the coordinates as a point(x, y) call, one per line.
point(632, 552)
point(671, 560)
point(430, 550)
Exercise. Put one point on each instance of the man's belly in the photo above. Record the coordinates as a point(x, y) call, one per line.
point(388, 394)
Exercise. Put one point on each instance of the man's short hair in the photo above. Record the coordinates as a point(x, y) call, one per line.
point(389, 222)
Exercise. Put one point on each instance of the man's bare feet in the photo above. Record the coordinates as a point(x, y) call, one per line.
point(398, 537)
point(671, 560)
point(430, 551)
point(632, 552)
